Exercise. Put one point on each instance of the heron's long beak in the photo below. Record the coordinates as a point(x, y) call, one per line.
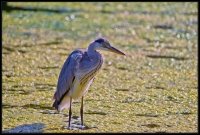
point(112, 49)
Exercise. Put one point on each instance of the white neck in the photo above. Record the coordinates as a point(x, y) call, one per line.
point(92, 48)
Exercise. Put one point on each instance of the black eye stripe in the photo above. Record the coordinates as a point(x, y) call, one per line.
point(100, 40)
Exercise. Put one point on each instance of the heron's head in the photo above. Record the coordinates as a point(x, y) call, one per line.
point(103, 44)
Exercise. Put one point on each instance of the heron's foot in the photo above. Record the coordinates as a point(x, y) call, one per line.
point(69, 128)
point(75, 127)
point(82, 127)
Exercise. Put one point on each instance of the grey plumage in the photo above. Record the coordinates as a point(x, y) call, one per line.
point(66, 77)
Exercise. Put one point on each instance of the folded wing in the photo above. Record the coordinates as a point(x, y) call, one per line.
point(67, 76)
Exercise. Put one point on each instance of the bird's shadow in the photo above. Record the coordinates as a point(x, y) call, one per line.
point(26, 128)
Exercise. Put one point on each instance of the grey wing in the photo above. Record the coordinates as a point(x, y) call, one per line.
point(67, 76)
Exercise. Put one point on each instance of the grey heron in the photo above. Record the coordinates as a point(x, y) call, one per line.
point(78, 73)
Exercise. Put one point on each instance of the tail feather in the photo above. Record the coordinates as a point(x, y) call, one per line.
point(56, 104)
point(65, 103)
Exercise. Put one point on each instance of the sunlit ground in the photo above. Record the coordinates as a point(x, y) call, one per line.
point(152, 89)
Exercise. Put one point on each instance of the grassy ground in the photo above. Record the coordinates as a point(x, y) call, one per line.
point(152, 89)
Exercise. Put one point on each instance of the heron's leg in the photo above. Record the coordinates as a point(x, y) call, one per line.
point(81, 111)
point(70, 113)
